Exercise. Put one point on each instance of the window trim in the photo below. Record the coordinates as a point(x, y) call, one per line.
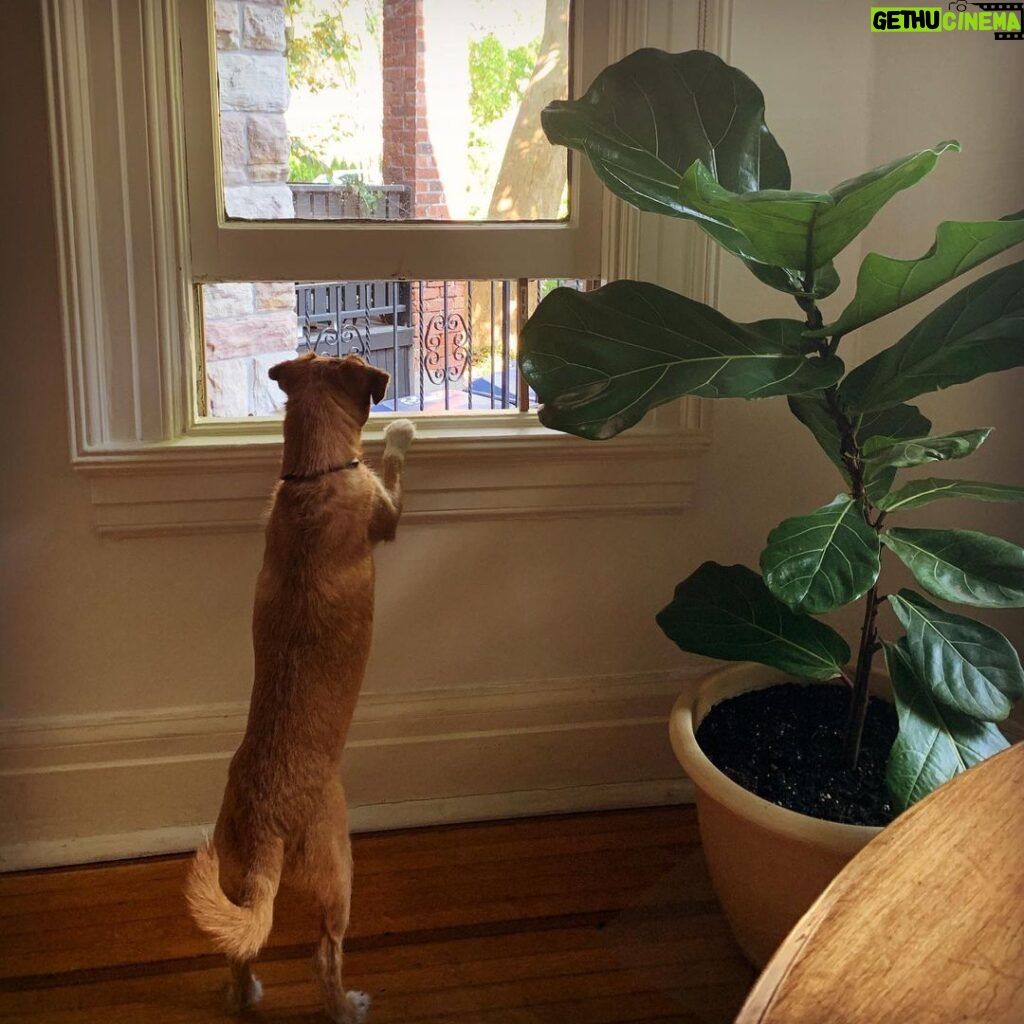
point(128, 318)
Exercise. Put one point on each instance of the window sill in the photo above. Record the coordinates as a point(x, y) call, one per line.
point(208, 483)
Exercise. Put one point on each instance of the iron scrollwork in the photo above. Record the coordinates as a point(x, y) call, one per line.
point(441, 335)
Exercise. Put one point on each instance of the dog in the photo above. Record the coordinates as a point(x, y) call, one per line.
point(284, 815)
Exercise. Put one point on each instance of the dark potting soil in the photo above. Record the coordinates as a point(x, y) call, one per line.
point(785, 743)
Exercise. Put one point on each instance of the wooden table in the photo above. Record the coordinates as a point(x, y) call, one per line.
point(924, 926)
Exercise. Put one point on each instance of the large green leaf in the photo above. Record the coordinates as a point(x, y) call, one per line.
point(962, 565)
point(822, 561)
point(884, 454)
point(979, 330)
point(934, 742)
point(599, 360)
point(885, 284)
point(802, 229)
point(915, 451)
point(924, 492)
point(968, 666)
point(647, 118)
point(726, 611)
point(902, 421)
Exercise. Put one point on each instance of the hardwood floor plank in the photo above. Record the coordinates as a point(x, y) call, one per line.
point(441, 896)
point(596, 919)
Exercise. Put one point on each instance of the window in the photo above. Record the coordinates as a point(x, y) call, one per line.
point(247, 224)
point(144, 227)
point(411, 110)
point(450, 346)
point(406, 120)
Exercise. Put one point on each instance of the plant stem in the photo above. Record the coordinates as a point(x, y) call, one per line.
point(862, 677)
point(849, 451)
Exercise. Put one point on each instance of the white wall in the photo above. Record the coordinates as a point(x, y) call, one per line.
point(544, 681)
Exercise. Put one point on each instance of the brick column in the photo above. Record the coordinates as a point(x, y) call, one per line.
point(408, 153)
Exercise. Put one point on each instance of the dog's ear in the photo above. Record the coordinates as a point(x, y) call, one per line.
point(287, 373)
point(362, 381)
point(378, 383)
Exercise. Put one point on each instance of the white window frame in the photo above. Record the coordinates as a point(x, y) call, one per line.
point(126, 250)
point(283, 250)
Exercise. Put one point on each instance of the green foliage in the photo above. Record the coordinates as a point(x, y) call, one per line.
point(819, 562)
point(306, 163)
point(962, 565)
point(684, 135)
point(967, 665)
point(818, 412)
point(935, 741)
point(320, 49)
point(647, 119)
point(918, 493)
point(726, 611)
point(637, 345)
point(802, 229)
point(976, 331)
point(901, 452)
point(497, 76)
point(885, 284)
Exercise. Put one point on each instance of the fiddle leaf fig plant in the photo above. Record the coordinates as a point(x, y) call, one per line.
point(684, 135)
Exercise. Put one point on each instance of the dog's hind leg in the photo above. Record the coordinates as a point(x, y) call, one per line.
point(326, 871)
point(245, 990)
point(334, 897)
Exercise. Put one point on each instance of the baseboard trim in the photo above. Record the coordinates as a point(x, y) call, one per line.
point(372, 818)
point(93, 787)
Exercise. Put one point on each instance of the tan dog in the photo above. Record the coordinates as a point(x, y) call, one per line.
point(284, 815)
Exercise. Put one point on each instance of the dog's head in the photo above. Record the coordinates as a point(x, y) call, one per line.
point(349, 381)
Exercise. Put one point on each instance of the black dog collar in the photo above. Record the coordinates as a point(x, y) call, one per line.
point(323, 472)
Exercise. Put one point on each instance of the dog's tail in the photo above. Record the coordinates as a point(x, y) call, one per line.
point(238, 929)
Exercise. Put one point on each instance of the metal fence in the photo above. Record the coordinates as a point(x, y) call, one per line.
point(448, 345)
point(352, 201)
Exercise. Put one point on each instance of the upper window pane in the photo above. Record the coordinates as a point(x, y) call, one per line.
point(391, 109)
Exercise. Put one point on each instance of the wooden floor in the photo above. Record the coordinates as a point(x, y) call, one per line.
point(594, 918)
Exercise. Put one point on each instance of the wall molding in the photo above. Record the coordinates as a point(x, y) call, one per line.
point(548, 477)
point(99, 786)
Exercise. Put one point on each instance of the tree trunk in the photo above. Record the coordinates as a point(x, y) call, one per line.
point(533, 172)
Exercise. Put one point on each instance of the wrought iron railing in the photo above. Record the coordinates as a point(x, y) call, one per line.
point(448, 345)
point(368, 318)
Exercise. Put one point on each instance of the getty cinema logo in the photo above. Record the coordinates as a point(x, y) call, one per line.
point(1004, 20)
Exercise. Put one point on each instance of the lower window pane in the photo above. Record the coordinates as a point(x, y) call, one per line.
point(450, 346)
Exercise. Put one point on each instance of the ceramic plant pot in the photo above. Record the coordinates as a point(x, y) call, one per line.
point(767, 864)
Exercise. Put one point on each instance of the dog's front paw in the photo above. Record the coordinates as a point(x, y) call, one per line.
point(357, 1006)
point(398, 436)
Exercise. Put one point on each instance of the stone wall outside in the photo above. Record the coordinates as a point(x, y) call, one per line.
point(250, 327)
